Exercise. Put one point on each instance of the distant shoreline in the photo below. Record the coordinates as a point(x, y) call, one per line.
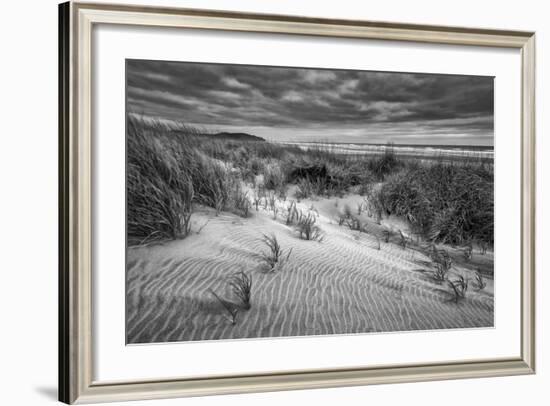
point(395, 145)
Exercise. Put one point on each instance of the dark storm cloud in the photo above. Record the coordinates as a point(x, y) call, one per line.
point(247, 97)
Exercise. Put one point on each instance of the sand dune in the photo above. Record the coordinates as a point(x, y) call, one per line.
point(341, 285)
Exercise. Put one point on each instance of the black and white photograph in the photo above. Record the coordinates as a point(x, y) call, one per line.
point(266, 201)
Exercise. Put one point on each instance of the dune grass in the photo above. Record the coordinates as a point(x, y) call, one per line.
point(241, 286)
point(446, 203)
point(170, 172)
point(275, 257)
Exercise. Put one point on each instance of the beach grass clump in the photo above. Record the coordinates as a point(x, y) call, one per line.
point(483, 247)
point(305, 189)
point(310, 187)
point(445, 203)
point(241, 286)
point(275, 257)
point(291, 213)
point(307, 229)
point(442, 262)
point(354, 223)
point(440, 272)
point(274, 177)
point(467, 252)
point(252, 167)
point(258, 196)
point(459, 287)
point(167, 173)
point(160, 191)
point(479, 281)
point(240, 200)
point(383, 165)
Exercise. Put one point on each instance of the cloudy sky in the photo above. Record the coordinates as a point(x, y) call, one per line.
point(290, 104)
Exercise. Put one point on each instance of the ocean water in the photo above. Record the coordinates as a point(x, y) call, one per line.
point(420, 151)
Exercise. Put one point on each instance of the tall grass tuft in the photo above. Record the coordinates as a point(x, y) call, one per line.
point(241, 286)
point(458, 288)
point(480, 283)
point(385, 164)
point(307, 229)
point(274, 177)
point(291, 213)
point(240, 200)
point(160, 191)
point(275, 257)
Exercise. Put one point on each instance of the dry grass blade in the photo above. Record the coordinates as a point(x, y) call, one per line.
point(230, 308)
point(479, 281)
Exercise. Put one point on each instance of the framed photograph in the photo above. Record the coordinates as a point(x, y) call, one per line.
point(261, 202)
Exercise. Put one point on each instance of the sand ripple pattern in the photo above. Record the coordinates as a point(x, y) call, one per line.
point(341, 285)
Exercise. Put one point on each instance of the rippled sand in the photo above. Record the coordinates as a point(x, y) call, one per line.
point(342, 285)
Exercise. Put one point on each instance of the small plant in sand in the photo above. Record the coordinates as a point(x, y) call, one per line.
point(458, 288)
point(282, 192)
point(373, 205)
point(274, 177)
point(218, 201)
point(291, 213)
point(272, 201)
point(479, 281)
point(276, 257)
point(440, 273)
point(377, 242)
point(345, 215)
point(275, 212)
point(467, 252)
point(483, 247)
point(403, 240)
point(354, 223)
point(360, 208)
point(307, 229)
point(313, 209)
point(305, 189)
point(347, 211)
point(241, 286)
point(341, 220)
point(231, 310)
point(441, 256)
point(240, 201)
point(257, 199)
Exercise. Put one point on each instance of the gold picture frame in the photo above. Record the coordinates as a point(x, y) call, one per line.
point(76, 21)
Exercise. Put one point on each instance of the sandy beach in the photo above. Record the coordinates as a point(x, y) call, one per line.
point(350, 282)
